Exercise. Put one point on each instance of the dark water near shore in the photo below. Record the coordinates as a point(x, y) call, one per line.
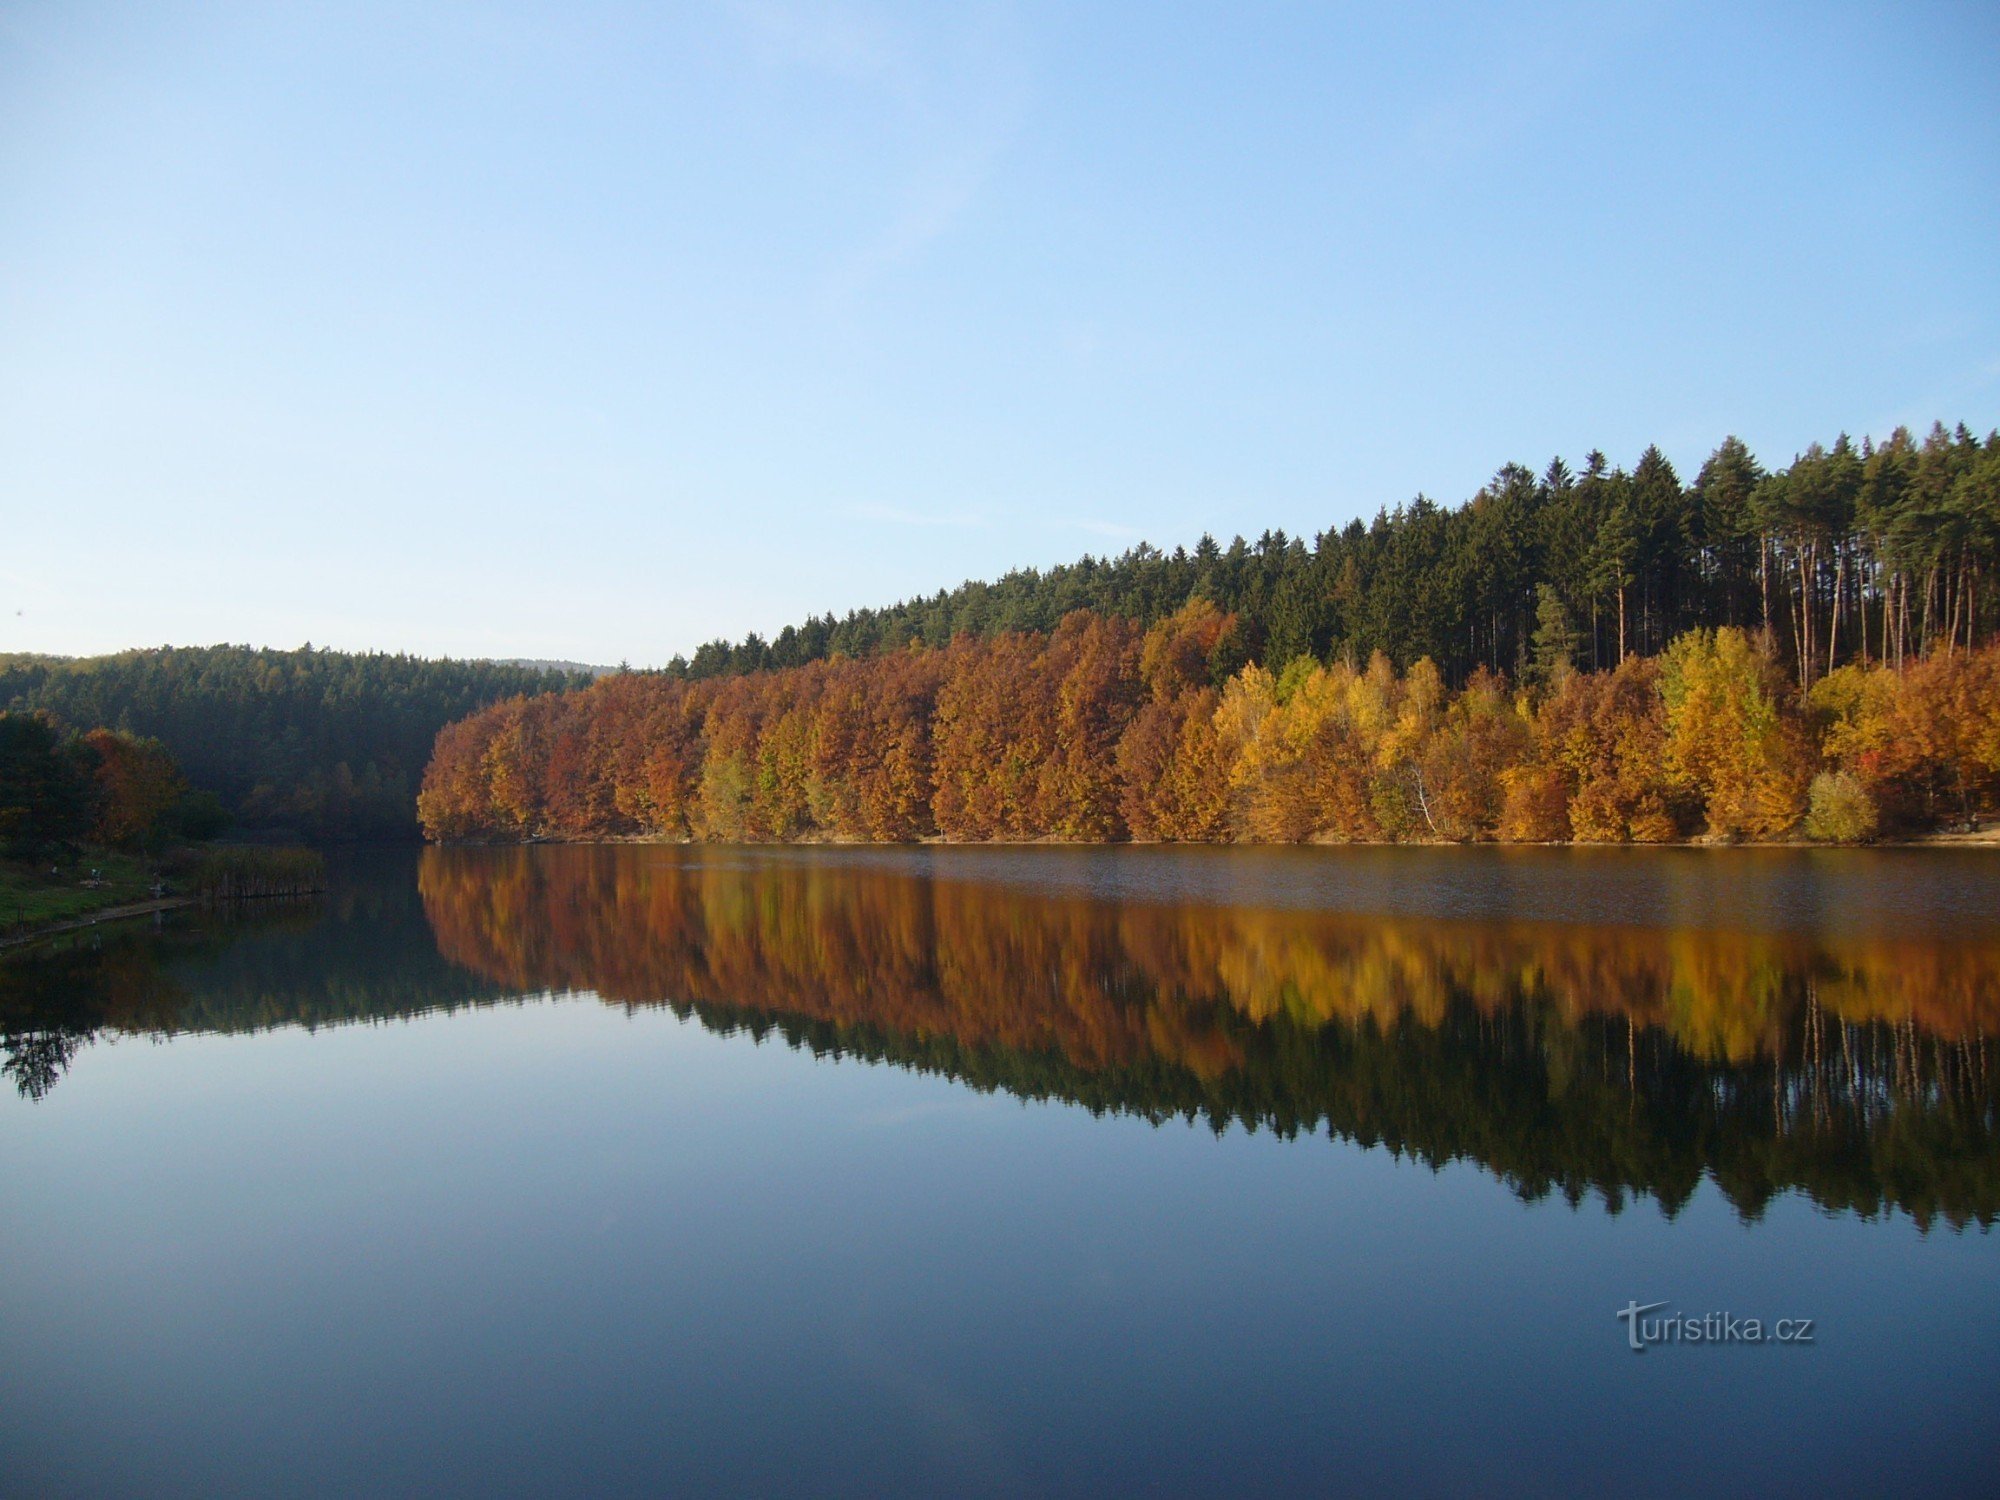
point(1012, 1171)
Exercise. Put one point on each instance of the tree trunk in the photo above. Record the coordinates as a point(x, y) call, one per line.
point(1802, 637)
point(1859, 591)
point(1902, 617)
point(1764, 575)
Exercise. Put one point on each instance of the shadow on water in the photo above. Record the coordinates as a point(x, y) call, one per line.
point(1591, 1059)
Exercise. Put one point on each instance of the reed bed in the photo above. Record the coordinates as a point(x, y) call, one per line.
point(248, 873)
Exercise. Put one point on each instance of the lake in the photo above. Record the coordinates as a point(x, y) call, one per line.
point(1014, 1171)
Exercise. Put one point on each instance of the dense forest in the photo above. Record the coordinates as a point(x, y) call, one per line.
point(325, 744)
point(1868, 552)
point(103, 787)
point(1102, 731)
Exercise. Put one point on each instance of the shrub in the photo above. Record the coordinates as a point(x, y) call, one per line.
point(1839, 810)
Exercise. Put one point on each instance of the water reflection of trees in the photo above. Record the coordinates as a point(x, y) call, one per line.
point(365, 954)
point(1567, 1058)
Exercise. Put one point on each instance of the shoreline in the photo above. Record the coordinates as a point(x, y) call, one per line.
point(92, 919)
point(1982, 838)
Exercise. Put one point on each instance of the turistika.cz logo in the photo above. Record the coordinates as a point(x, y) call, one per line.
point(1641, 1332)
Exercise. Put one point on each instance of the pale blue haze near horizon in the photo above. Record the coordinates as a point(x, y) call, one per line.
point(596, 332)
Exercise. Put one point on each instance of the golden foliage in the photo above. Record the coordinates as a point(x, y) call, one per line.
point(1098, 731)
point(1732, 740)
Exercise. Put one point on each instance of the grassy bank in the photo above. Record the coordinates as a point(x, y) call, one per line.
point(38, 893)
point(46, 894)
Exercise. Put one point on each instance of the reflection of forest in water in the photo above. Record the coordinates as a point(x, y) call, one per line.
point(1564, 1057)
point(363, 954)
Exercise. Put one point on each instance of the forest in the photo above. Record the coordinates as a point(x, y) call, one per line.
point(1103, 731)
point(327, 745)
point(1593, 656)
point(102, 787)
point(1853, 552)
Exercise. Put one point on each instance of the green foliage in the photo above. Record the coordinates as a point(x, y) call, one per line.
point(325, 743)
point(106, 787)
point(198, 816)
point(1882, 547)
point(1554, 649)
point(44, 790)
point(1839, 810)
point(1870, 554)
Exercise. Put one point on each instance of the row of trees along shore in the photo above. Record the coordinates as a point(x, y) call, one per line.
point(1101, 730)
point(1594, 655)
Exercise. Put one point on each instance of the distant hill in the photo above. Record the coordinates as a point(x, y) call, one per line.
point(540, 664)
point(327, 744)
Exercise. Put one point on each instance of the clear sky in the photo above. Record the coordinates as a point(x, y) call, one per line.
point(595, 332)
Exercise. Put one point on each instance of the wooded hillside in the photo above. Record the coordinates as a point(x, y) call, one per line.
point(326, 743)
point(1869, 551)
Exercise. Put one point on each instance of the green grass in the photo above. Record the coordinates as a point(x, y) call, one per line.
point(40, 893)
point(31, 896)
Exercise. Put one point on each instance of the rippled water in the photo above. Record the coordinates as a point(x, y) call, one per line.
point(1016, 1170)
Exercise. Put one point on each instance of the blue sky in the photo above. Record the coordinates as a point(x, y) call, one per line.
point(595, 332)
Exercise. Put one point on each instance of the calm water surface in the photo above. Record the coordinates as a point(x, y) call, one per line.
point(951, 1171)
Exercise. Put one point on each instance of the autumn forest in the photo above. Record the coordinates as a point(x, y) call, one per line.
point(1599, 656)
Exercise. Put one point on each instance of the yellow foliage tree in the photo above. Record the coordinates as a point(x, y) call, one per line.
point(1730, 740)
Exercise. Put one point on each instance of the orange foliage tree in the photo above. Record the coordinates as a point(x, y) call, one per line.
point(1173, 780)
point(138, 786)
point(1098, 731)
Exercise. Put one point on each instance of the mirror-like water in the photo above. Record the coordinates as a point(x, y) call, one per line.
point(1012, 1170)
